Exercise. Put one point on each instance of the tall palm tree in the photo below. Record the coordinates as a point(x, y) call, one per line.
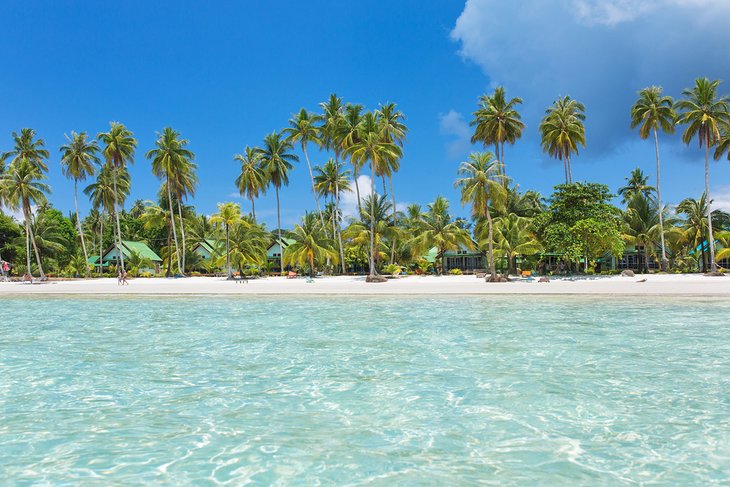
point(157, 217)
point(372, 148)
point(251, 183)
point(277, 161)
point(21, 186)
point(637, 183)
point(103, 197)
point(348, 136)
point(310, 245)
point(228, 214)
point(654, 111)
point(358, 233)
point(249, 242)
point(185, 184)
point(303, 129)
point(78, 160)
point(119, 145)
point(394, 131)
point(27, 146)
point(437, 229)
point(330, 180)
point(696, 223)
point(171, 162)
point(562, 131)
point(497, 121)
point(642, 226)
point(481, 183)
point(705, 113)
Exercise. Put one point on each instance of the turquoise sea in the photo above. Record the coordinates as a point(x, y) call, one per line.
point(364, 391)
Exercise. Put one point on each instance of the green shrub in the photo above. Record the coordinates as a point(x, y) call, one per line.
point(146, 274)
point(455, 272)
point(392, 269)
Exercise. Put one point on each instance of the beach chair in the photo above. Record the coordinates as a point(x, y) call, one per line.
point(291, 275)
point(310, 280)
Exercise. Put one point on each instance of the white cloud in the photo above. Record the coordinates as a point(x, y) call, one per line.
point(453, 123)
point(348, 199)
point(721, 198)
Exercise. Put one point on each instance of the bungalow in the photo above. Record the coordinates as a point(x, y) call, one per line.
point(111, 256)
point(273, 253)
point(468, 261)
point(207, 248)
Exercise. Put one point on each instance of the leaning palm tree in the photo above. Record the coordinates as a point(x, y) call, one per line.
point(497, 121)
point(21, 186)
point(436, 229)
point(705, 113)
point(562, 131)
point(481, 183)
point(170, 161)
point(119, 145)
point(695, 223)
point(251, 183)
point(310, 245)
point(372, 148)
point(228, 214)
point(331, 180)
point(651, 112)
point(78, 160)
point(27, 146)
point(277, 161)
point(184, 184)
point(637, 183)
point(303, 129)
point(348, 136)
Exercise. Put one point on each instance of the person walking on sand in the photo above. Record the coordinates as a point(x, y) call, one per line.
point(124, 278)
point(119, 278)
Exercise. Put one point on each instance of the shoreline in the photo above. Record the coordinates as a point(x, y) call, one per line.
point(668, 285)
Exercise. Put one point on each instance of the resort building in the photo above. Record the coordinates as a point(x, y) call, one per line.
point(129, 249)
point(274, 252)
point(468, 261)
point(207, 248)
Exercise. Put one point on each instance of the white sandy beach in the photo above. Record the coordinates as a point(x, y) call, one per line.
point(670, 285)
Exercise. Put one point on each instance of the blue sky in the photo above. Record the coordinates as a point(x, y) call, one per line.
point(227, 73)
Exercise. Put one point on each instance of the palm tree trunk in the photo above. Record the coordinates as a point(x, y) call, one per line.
point(101, 243)
point(646, 258)
point(278, 229)
point(120, 254)
point(172, 223)
point(492, 267)
point(373, 272)
point(504, 166)
point(710, 240)
point(357, 192)
point(35, 250)
point(314, 191)
point(27, 242)
point(253, 210)
point(78, 223)
point(229, 275)
point(168, 272)
point(182, 232)
point(565, 170)
point(337, 228)
point(664, 266)
point(395, 220)
point(570, 171)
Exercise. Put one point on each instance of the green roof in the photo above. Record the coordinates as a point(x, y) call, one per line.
point(141, 248)
point(210, 245)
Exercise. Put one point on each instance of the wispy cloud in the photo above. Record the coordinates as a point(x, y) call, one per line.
point(453, 124)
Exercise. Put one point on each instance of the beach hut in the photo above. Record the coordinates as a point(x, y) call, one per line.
point(468, 261)
point(273, 253)
point(129, 247)
point(207, 248)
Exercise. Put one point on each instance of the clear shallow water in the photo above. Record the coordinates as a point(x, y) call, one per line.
point(313, 390)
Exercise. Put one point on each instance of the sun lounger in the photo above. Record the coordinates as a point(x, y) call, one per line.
point(291, 275)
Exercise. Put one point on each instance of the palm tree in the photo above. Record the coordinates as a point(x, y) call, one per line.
point(103, 197)
point(331, 180)
point(481, 183)
point(497, 121)
point(642, 224)
point(358, 232)
point(373, 148)
point(348, 136)
point(21, 187)
point(393, 130)
point(705, 113)
point(249, 242)
point(651, 112)
point(251, 183)
point(512, 238)
point(303, 129)
point(78, 159)
point(310, 245)
point(157, 217)
point(228, 214)
point(696, 223)
point(184, 184)
point(637, 183)
point(118, 151)
point(437, 229)
point(26, 146)
point(277, 162)
point(562, 131)
point(170, 163)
